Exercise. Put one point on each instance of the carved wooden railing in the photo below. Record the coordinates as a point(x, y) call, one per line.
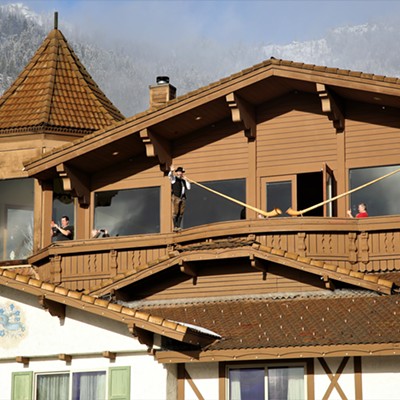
point(370, 244)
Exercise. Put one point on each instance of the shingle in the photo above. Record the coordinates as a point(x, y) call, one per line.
point(52, 80)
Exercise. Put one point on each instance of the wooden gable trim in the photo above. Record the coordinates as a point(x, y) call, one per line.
point(327, 272)
point(51, 296)
point(217, 90)
point(279, 353)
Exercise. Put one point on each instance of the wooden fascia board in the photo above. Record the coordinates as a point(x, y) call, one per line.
point(299, 352)
point(337, 276)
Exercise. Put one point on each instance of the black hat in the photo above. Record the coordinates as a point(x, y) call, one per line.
point(180, 169)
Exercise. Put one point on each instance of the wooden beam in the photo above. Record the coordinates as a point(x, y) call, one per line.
point(65, 357)
point(55, 309)
point(259, 265)
point(243, 111)
point(110, 355)
point(157, 146)
point(328, 283)
point(188, 269)
point(331, 107)
point(75, 181)
point(22, 360)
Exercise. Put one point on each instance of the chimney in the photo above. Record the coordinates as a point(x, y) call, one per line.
point(162, 92)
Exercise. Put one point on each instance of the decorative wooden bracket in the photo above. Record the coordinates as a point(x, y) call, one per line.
point(76, 181)
point(65, 357)
point(55, 309)
point(22, 360)
point(328, 283)
point(143, 336)
point(258, 264)
point(188, 269)
point(157, 146)
point(110, 355)
point(244, 112)
point(331, 107)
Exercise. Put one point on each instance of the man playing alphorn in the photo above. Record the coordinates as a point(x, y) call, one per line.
point(179, 186)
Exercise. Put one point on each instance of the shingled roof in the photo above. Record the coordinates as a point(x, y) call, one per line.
point(55, 93)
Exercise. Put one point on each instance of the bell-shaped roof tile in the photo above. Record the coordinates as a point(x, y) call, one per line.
point(55, 91)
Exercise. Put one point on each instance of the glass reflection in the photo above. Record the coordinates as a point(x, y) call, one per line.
point(16, 219)
point(380, 197)
point(279, 195)
point(204, 207)
point(128, 212)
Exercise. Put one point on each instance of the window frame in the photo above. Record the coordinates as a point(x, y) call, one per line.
point(265, 365)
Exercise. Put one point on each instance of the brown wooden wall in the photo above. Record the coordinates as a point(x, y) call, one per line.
point(292, 132)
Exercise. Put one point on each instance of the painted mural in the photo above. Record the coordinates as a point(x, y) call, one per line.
point(11, 322)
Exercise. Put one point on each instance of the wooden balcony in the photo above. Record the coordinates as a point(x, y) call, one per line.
point(366, 245)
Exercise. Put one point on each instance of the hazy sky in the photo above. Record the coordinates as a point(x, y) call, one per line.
point(225, 21)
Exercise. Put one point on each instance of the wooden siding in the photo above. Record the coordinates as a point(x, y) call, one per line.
point(227, 279)
point(212, 155)
point(372, 132)
point(371, 245)
point(292, 132)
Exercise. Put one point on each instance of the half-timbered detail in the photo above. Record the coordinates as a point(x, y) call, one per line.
point(270, 290)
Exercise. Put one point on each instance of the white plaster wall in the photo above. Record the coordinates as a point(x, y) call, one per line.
point(205, 377)
point(80, 332)
point(381, 378)
point(148, 378)
point(346, 379)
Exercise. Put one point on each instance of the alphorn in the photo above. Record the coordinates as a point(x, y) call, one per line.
point(295, 213)
point(272, 213)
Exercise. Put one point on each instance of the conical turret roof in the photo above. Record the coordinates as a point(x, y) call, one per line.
point(55, 93)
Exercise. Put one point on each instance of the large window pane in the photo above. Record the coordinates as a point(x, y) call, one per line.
point(89, 385)
point(381, 197)
point(128, 212)
point(16, 219)
point(204, 207)
point(51, 387)
point(246, 384)
point(279, 195)
point(285, 383)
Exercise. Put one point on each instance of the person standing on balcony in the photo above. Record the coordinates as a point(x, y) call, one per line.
point(362, 211)
point(63, 232)
point(179, 186)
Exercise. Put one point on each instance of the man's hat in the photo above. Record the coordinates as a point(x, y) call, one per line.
point(180, 169)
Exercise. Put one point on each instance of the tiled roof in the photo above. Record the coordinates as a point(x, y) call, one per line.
point(271, 323)
point(107, 309)
point(55, 91)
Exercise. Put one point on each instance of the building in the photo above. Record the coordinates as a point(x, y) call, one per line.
point(233, 306)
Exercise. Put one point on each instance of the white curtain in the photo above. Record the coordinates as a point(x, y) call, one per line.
point(235, 385)
point(89, 386)
point(296, 383)
point(51, 387)
point(286, 383)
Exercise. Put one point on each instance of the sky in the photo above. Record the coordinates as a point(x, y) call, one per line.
point(223, 21)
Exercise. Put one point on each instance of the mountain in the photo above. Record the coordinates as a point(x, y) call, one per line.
point(125, 69)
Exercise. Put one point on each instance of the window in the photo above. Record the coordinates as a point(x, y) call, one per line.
point(279, 195)
point(267, 383)
point(128, 212)
point(204, 207)
point(16, 219)
point(87, 385)
point(381, 197)
point(63, 203)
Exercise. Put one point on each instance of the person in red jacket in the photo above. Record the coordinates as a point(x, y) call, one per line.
point(362, 211)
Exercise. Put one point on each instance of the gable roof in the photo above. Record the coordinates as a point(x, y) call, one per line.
point(250, 249)
point(55, 92)
point(134, 319)
point(208, 105)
